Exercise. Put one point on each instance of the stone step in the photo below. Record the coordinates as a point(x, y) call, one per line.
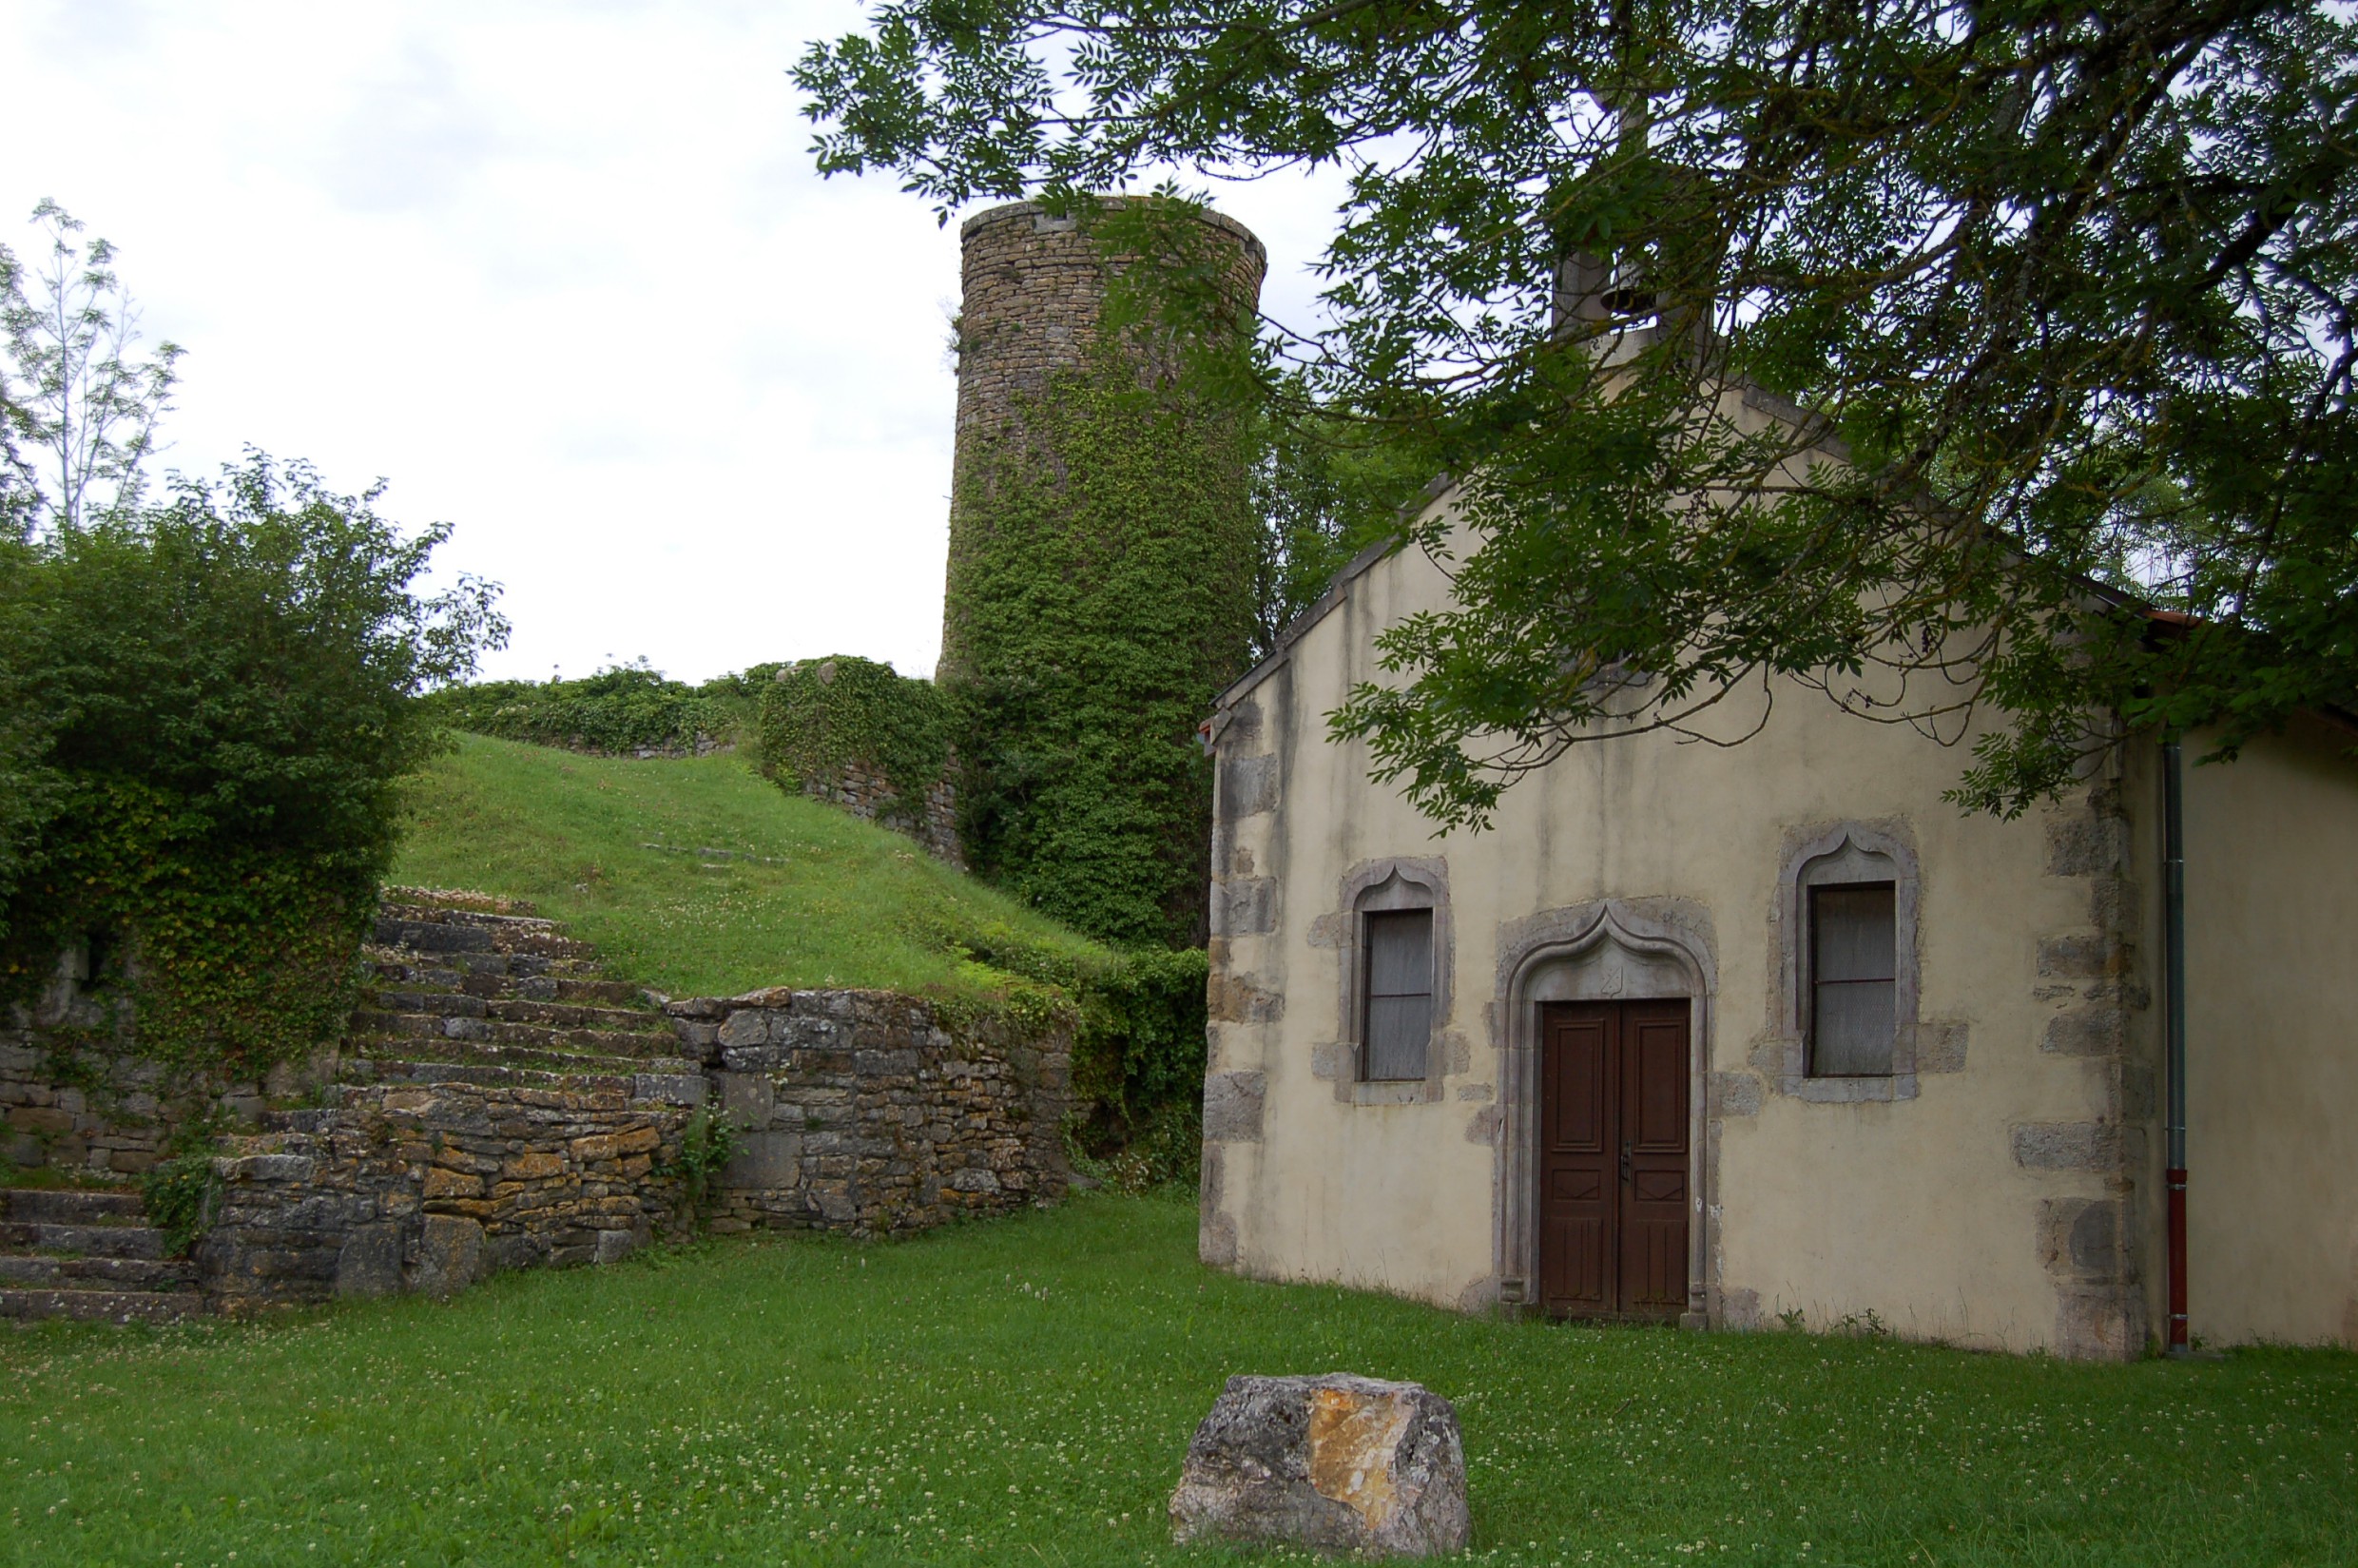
point(100, 1305)
point(485, 920)
point(367, 1027)
point(548, 1057)
point(561, 980)
point(73, 1205)
point(307, 1120)
point(683, 1087)
point(427, 1071)
point(535, 938)
point(93, 1241)
point(459, 1004)
point(32, 1270)
point(552, 981)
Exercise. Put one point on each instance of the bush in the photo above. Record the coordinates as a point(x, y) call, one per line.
point(1138, 1043)
point(615, 712)
point(210, 704)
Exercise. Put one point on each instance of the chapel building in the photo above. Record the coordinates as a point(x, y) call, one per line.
point(1720, 1036)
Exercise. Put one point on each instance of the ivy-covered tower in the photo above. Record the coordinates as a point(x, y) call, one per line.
point(1102, 549)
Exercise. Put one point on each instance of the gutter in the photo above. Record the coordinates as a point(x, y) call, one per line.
point(2173, 924)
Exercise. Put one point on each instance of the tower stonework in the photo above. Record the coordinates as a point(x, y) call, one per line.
point(1100, 582)
point(1033, 286)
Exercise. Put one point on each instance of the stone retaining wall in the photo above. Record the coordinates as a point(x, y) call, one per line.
point(867, 793)
point(864, 1111)
point(430, 1188)
point(76, 1094)
point(860, 1111)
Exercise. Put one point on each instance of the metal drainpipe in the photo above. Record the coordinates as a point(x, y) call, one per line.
point(2173, 922)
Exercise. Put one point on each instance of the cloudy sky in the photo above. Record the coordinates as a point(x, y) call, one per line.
point(560, 271)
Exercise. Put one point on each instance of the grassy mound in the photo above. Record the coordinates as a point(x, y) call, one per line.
point(700, 878)
point(1023, 1391)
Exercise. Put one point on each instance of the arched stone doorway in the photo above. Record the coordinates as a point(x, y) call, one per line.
point(1612, 950)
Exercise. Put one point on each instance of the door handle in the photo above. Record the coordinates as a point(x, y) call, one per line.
point(1625, 1162)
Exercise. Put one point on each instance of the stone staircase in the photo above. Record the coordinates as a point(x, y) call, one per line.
point(87, 1254)
point(464, 989)
point(471, 990)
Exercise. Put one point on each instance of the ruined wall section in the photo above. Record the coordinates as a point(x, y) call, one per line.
point(867, 1112)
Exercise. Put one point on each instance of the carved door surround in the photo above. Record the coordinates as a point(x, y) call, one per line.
point(1612, 950)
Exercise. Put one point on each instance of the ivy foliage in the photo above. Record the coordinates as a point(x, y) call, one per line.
point(181, 1193)
point(1101, 592)
point(820, 716)
point(210, 702)
point(617, 711)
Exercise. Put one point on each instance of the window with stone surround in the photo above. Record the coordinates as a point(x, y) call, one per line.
point(1847, 923)
point(1396, 970)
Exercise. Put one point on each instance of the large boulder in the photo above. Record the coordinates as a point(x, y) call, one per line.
point(1340, 1464)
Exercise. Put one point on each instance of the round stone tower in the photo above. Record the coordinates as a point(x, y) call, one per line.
point(1033, 288)
point(1101, 564)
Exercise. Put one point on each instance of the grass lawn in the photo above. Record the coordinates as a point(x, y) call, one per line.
point(809, 895)
point(1022, 1391)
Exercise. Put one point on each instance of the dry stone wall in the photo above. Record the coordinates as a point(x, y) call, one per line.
point(866, 793)
point(498, 1106)
point(430, 1188)
point(865, 1112)
point(75, 1093)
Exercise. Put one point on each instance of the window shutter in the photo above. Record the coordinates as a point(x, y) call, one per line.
point(1400, 993)
point(1853, 965)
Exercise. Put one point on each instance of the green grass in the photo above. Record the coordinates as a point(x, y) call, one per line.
point(813, 895)
point(1022, 1392)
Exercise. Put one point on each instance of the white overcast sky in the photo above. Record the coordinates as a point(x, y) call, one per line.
point(559, 271)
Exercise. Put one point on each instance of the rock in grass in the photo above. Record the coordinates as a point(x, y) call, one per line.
point(1340, 1464)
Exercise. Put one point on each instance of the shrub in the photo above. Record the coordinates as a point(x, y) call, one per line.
point(1138, 1040)
point(181, 1194)
point(617, 711)
point(210, 704)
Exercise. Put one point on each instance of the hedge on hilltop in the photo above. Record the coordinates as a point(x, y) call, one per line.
point(817, 717)
point(618, 711)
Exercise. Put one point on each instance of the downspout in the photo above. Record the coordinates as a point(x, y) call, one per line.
point(2173, 926)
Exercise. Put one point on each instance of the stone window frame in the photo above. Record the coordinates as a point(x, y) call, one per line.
point(1848, 854)
point(1374, 886)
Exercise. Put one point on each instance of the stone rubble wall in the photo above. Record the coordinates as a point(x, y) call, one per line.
point(430, 1188)
point(866, 1112)
point(861, 1113)
point(866, 793)
point(76, 1094)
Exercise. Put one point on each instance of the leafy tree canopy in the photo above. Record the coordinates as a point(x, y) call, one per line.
point(206, 707)
point(2061, 296)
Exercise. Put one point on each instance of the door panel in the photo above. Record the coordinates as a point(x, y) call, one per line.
point(1579, 1186)
point(1612, 1158)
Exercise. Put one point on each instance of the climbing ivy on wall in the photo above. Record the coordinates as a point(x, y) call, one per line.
point(819, 716)
point(1101, 593)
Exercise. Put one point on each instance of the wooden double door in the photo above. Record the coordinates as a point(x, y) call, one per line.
point(1613, 1154)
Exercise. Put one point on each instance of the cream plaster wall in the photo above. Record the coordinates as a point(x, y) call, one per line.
point(2004, 1205)
point(2272, 931)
